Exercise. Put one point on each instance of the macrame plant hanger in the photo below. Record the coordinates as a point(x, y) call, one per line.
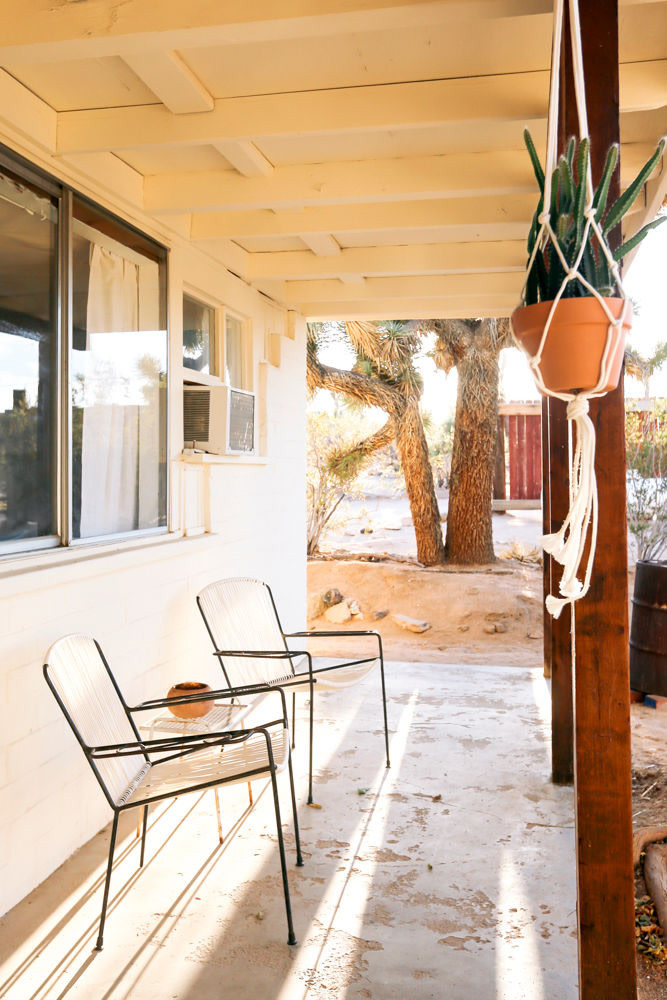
point(567, 545)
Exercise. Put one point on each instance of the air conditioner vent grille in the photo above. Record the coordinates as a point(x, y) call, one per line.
point(196, 416)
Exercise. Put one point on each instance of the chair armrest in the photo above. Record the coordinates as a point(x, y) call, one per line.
point(296, 635)
point(266, 654)
point(337, 634)
point(247, 689)
point(197, 742)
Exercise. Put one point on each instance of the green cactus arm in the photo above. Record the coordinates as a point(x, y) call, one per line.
point(567, 184)
point(534, 227)
point(580, 200)
point(534, 159)
point(569, 152)
point(618, 210)
point(602, 193)
point(635, 240)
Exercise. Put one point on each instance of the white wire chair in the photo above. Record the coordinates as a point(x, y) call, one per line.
point(133, 772)
point(242, 620)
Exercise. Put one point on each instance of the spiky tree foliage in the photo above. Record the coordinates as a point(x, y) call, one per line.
point(384, 375)
point(643, 368)
point(472, 347)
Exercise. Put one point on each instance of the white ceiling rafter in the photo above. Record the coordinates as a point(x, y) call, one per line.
point(244, 156)
point(172, 81)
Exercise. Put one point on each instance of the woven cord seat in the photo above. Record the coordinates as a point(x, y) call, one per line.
point(242, 620)
point(134, 772)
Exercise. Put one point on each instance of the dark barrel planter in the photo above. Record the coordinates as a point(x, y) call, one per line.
point(648, 634)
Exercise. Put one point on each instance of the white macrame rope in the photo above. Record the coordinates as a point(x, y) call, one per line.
point(567, 545)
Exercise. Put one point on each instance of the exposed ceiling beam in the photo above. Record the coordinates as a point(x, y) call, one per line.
point(477, 213)
point(422, 286)
point(245, 157)
point(321, 244)
point(172, 81)
point(453, 175)
point(49, 32)
point(350, 181)
point(430, 258)
point(518, 97)
point(418, 308)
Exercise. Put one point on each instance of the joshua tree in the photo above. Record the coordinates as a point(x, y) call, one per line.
point(643, 368)
point(472, 347)
point(384, 376)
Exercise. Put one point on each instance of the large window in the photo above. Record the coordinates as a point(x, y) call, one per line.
point(83, 359)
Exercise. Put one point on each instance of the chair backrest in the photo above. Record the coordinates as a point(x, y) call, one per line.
point(79, 676)
point(240, 614)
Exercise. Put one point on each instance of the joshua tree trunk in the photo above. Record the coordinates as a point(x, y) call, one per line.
point(472, 346)
point(469, 523)
point(404, 421)
point(413, 452)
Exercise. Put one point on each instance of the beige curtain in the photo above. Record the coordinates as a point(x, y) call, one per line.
point(120, 435)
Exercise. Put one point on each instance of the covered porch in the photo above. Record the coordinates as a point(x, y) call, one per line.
point(449, 874)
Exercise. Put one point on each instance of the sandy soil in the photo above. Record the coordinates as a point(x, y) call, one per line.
point(458, 605)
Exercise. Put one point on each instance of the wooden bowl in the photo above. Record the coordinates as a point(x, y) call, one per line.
point(193, 709)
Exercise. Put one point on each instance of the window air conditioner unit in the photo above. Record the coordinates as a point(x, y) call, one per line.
point(219, 419)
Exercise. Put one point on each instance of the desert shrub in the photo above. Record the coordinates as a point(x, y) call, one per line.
point(646, 449)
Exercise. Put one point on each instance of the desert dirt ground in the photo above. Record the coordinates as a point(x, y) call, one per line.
point(458, 606)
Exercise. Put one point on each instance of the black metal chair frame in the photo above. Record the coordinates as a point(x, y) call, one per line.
point(299, 678)
point(181, 746)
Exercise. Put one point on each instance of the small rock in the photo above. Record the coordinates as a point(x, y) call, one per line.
point(366, 531)
point(315, 606)
point(533, 635)
point(379, 615)
point(495, 616)
point(500, 627)
point(354, 607)
point(332, 597)
point(463, 628)
point(410, 624)
point(338, 614)
point(528, 597)
point(489, 629)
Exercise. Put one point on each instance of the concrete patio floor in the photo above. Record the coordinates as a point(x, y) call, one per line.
point(451, 876)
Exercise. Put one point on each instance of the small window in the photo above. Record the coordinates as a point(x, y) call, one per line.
point(198, 336)
point(235, 352)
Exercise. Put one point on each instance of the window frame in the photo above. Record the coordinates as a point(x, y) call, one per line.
point(217, 376)
point(62, 463)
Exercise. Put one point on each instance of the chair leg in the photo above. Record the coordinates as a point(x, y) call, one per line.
point(291, 937)
point(250, 798)
point(310, 749)
point(105, 899)
point(293, 719)
point(143, 837)
point(384, 707)
point(217, 812)
point(299, 859)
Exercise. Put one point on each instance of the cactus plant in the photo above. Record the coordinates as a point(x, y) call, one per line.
point(568, 201)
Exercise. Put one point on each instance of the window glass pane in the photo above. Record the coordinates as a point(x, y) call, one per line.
point(118, 372)
point(198, 335)
point(28, 346)
point(234, 361)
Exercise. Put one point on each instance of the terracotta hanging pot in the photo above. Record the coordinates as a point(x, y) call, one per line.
point(575, 342)
point(195, 709)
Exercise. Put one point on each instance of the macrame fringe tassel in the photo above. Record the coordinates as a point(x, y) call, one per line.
point(567, 545)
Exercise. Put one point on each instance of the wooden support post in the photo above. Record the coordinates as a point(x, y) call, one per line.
point(557, 633)
point(602, 763)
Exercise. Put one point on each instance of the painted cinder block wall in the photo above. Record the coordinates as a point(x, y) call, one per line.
point(138, 598)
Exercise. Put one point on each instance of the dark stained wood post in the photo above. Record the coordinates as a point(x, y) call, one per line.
point(603, 794)
point(557, 633)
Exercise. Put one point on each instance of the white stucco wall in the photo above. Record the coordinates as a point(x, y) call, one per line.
point(138, 600)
